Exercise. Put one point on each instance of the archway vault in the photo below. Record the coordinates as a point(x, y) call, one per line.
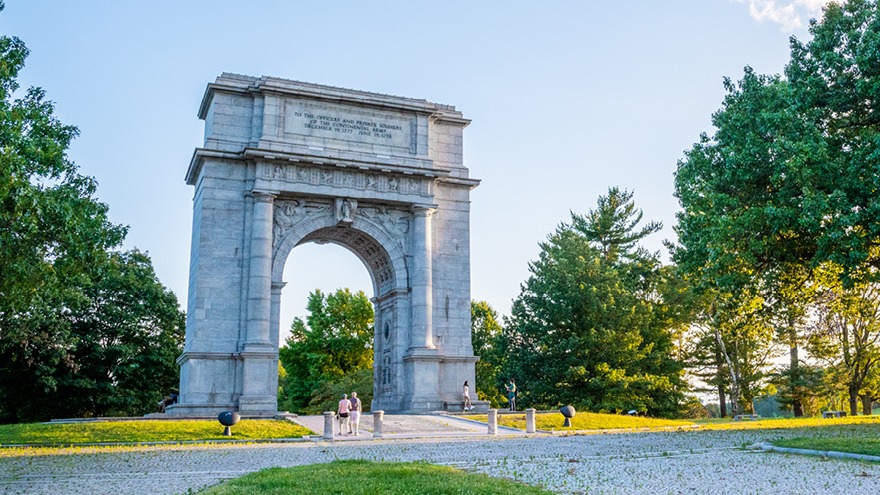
point(376, 234)
point(287, 163)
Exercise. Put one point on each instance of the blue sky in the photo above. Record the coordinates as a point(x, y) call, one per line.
point(567, 99)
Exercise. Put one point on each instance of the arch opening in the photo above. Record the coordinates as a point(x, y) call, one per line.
point(326, 267)
point(386, 269)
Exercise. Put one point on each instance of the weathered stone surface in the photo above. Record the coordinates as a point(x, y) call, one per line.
point(286, 163)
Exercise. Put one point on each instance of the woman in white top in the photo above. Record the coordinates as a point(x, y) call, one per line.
point(467, 397)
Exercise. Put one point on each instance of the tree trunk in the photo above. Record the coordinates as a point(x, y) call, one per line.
point(853, 401)
point(735, 394)
point(719, 375)
point(867, 404)
point(795, 376)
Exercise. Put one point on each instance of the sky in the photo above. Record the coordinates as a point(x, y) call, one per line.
point(566, 98)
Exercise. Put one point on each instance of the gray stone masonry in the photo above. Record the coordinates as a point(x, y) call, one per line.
point(286, 163)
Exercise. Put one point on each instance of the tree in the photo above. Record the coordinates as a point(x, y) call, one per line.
point(788, 181)
point(589, 327)
point(742, 343)
point(846, 333)
point(835, 80)
point(612, 226)
point(60, 276)
point(486, 333)
point(129, 336)
point(744, 193)
point(52, 227)
point(333, 344)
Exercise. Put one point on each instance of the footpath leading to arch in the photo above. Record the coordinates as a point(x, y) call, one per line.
point(409, 426)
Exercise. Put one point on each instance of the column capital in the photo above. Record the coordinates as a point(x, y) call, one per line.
point(263, 196)
point(423, 210)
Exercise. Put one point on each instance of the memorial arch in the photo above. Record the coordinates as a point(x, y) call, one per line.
point(285, 163)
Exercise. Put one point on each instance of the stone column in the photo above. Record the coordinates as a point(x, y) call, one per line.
point(493, 421)
point(422, 280)
point(378, 417)
point(260, 277)
point(530, 421)
point(275, 315)
point(259, 355)
point(329, 419)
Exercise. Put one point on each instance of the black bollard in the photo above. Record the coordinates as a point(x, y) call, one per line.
point(228, 419)
point(568, 412)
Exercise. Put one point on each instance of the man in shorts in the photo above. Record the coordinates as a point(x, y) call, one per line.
point(355, 418)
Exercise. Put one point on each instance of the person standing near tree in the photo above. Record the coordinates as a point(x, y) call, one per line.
point(511, 395)
point(354, 424)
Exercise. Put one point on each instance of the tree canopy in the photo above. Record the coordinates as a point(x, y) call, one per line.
point(786, 185)
point(486, 338)
point(331, 348)
point(590, 329)
point(84, 329)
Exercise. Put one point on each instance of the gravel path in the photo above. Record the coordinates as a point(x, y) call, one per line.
point(650, 463)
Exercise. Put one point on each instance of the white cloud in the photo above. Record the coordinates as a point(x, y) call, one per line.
point(789, 14)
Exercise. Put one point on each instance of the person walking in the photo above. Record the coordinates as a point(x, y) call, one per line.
point(511, 395)
point(343, 412)
point(355, 418)
point(467, 397)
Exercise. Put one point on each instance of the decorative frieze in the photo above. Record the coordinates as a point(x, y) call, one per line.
point(354, 179)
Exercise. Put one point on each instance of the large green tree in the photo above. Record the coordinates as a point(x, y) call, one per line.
point(486, 335)
point(590, 327)
point(835, 81)
point(129, 336)
point(744, 192)
point(788, 181)
point(84, 330)
point(329, 353)
point(846, 333)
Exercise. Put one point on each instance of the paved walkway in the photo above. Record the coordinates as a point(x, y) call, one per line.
point(637, 463)
point(409, 426)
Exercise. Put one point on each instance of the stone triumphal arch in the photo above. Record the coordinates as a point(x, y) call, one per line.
point(285, 163)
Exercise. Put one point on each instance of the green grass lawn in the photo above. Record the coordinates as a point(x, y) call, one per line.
point(584, 421)
point(145, 431)
point(364, 477)
point(856, 438)
point(868, 446)
point(783, 423)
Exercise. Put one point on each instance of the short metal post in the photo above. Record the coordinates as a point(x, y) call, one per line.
point(378, 417)
point(329, 419)
point(493, 421)
point(530, 421)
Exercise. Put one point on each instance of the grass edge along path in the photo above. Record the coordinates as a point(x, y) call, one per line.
point(361, 477)
point(854, 438)
point(587, 421)
point(142, 431)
